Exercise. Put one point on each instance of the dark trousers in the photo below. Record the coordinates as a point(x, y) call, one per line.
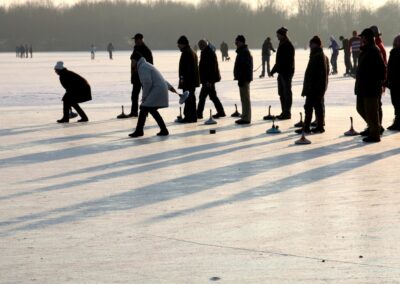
point(189, 111)
point(314, 103)
point(355, 55)
point(209, 91)
point(66, 107)
point(137, 86)
point(368, 108)
point(347, 63)
point(265, 59)
point(285, 93)
point(334, 61)
point(144, 111)
point(395, 97)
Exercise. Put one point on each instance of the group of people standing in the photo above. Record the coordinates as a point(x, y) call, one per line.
point(23, 51)
point(372, 75)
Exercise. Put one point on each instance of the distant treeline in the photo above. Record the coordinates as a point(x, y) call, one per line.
point(51, 28)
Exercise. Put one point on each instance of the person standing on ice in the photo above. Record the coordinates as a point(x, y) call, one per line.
point(335, 52)
point(189, 78)
point(346, 51)
point(77, 91)
point(243, 73)
point(266, 49)
point(145, 51)
point(155, 94)
point(314, 87)
point(284, 66)
point(224, 50)
point(92, 52)
point(209, 75)
point(110, 49)
point(393, 81)
point(355, 44)
point(370, 79)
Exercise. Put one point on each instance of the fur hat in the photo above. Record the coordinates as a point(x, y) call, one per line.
point(183, 40)
point(59, 65)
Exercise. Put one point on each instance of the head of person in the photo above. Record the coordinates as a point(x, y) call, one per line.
point(202, 44)
point(240, 41)
point(315, 42)
point(182, 42)
point(396, 41)
point(367, 36)
point(135, 57)
point(138, 38)
point(281, 33)
point(268, 39)
point(59, 67)
point(376, 31)
point(332, 38)
point(354, 33)
point(341, 38)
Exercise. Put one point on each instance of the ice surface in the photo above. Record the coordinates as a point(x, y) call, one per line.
point(85, 203)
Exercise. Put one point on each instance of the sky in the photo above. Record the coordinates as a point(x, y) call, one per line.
point(253, 3)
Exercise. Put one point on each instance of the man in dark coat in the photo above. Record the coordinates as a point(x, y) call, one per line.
point(141, 48)
point(77, 91)
point(188, 78)
point(314, 86)
point(346, 51)
point(284, 66)
point(393, 81)
point(209, 75)
point(266, 49)
point(370, 79)
point(243, 73)
point(224, 50)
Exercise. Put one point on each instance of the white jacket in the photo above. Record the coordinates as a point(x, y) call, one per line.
point(155, 88)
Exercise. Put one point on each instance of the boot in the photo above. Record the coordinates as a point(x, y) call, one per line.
point(396, 125)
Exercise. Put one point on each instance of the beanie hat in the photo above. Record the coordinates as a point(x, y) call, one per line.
point(136, 56)
point(368, 33)
point(183, 40)
point(282, 31)
point(138, 36)
point(240, 38)
point(316, 40)
point(59, 65)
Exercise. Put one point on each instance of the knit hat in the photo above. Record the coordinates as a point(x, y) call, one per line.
point(138, 36)
point(59, 65)
point(282, 31)
point(183, 40)
point(240, 38)
point(136, 56)
point(367, 33)
point(316, 40)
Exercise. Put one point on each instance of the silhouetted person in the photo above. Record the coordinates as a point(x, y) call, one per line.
point(267, 47)
point(22, 50)
point(154, 96)
point(284, 66)
point(31, 50)
point(141, 48)
point(393, 81)
point(346, 51)
point(77, 91)
point(314, 87)
point(370, 78)
point(188, 78)
point(209, 75)
point(335, 52)
point(243, 73)
point(17, 52)
point(26, 51)
point(92, 52)
point(224, 50)
point(355, 44)
point(110, 49)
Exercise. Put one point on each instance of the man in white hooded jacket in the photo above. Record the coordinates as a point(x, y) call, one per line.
point(154, 94)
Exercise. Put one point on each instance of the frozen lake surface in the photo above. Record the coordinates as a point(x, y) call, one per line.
point(85, 203)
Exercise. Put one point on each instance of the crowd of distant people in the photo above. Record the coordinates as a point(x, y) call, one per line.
point(370, 68)
point(24, 51)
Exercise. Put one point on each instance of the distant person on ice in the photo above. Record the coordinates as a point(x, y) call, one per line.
point(141, 48)
point(188, 78)
point(347, 55)
point(209, 75)
point(243, 73)
point(224, 51)
point(110, 49)
point(314, 87)
point(92, 52)
point(335, 52)
point(355, 44)
point(77, 91)
point(267, 47)
point(284, 66)
point(370, 79)
point(393, 81)
point(154, 96)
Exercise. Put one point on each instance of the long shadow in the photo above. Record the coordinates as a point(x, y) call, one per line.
point(285, 184)
point(179, 187)
point(150, 167)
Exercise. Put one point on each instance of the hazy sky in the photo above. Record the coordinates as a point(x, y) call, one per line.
point(371, 3)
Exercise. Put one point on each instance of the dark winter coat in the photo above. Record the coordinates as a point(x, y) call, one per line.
point(243, 70)
point(146, 53)
point(371, 72)
point(267, 48)
point(393, 75)
point(346, 46)
point(316, 76)
point(208, 67)
point(188, 69)
point(77, 88)
point(284, 64)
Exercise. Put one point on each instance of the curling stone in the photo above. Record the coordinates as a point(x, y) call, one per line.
point(351, 132)
point(183, 97)
point(179, 118)
point(303, 140)
point(269, 116)
point(300, 123)
point(122, 115)
point(72, 114)
point(210, 120)
point(236, 113)
point(274, 129)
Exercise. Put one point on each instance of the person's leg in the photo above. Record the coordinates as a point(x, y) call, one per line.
point(65, 117)
point(189, 110)
point(308, 111)
point(263, 67)
point(135, 98)
point(202, 101)
point(395, 97)
point(217, 103)
point(244, 91)
point(268, 66)
point(371, 106)
point(140, 123)
point(156, 115)
point(281, 93)
point(319, 114)
point(348, 64)
point(286, 95)
point(81, 113)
